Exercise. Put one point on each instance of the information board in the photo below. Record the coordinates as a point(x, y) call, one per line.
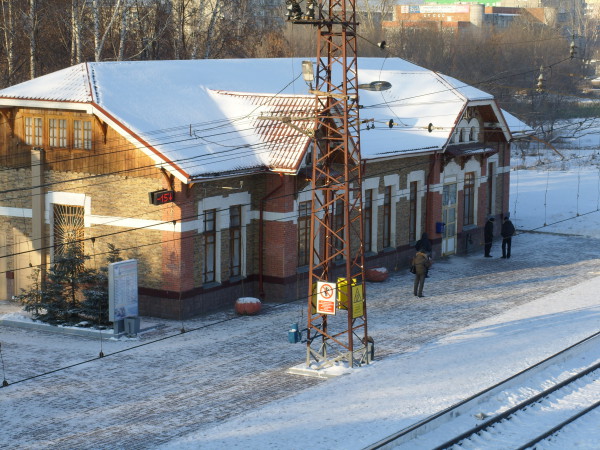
point(122, 290)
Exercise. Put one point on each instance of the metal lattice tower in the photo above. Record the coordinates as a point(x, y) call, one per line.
point(336, 220)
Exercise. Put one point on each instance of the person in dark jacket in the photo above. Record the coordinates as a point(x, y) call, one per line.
point(488, 237)
point(424, 244)
point(421, 262)
point(507, 232)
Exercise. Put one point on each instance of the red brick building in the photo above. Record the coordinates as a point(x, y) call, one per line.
point(224, 147)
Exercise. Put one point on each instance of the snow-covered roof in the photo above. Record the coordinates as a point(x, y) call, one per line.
point(517, 127)
point(199, 118)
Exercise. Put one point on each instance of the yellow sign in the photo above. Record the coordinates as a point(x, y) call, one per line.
point(358, 304)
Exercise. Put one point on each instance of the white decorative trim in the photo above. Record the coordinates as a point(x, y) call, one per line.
point(15, 212)
point(67, 198)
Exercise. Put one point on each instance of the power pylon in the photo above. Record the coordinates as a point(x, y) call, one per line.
point(336, 245)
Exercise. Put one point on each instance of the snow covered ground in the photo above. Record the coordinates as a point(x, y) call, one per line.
point(224, 383)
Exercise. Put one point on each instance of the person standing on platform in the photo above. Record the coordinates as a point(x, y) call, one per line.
point(424, 245)
point(507, 232)
point(421, 262)
point(488, 237)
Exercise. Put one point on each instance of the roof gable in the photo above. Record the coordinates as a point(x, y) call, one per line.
point(186, 115)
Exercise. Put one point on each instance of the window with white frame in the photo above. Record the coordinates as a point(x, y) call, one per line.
point(29, 130)
point(38, 136)
point(87, 135)
point(235, 240)
point(210, 240)
point(387, 217)
point(469, 199)
point(53, 132)
point(412, 211)
point(62, 133)
point(77, 134)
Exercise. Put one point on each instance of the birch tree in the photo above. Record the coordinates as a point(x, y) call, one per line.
point(8, 26)
point(31, 33)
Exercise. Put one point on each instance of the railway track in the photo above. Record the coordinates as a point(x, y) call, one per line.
point(513, 423)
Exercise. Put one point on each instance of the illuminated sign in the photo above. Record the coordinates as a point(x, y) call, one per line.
point(161, 197)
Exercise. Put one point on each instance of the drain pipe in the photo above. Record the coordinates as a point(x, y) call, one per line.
point(261, 229)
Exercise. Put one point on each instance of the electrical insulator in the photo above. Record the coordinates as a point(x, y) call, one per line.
point(540, 81)
point(310, 9)
point(294, 12)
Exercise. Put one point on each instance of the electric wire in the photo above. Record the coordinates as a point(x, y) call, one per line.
point(287, 217)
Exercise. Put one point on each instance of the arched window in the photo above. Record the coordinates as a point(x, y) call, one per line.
point(474, 130)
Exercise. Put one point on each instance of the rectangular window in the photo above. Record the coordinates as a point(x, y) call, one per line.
point(210, 240)
point(52, 132)
point(235, 241)
point(303, 233)
point(412, 212)
point(62, 133)
point(490, 188)
point(77, 134)
point(87, 135)
point(387, 217)
point(38, 138)
point(29, 130)
point(368, 220)
point(469, 199)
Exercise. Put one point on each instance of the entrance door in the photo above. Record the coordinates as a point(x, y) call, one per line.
point(449, 218)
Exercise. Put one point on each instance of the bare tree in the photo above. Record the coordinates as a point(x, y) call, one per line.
point(31, 32)
point(8, 26)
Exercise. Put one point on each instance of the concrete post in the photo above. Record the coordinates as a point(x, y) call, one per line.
point(38, 207)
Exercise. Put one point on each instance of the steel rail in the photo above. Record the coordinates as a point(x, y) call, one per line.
point(521, 406)
point(560, 426)
point(424, 426)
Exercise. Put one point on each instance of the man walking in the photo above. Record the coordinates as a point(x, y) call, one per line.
point(507, 232)
point(488, 237)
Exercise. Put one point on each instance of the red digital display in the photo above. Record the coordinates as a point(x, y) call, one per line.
point(162, 197)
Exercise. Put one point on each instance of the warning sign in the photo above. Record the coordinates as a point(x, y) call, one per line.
point(326, 296)
point(358, 304)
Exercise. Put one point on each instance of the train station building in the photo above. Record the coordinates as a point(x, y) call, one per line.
point(201, 170)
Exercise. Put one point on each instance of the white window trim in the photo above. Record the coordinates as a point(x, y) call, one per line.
point(66, 198)
point(306, 196)
point(493, 160)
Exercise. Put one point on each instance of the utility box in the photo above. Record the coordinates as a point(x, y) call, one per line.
point(132, 326)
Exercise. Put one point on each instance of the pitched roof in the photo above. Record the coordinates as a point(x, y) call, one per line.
point(204, 117)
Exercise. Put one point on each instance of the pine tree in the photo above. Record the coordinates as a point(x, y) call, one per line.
point(95, 296)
